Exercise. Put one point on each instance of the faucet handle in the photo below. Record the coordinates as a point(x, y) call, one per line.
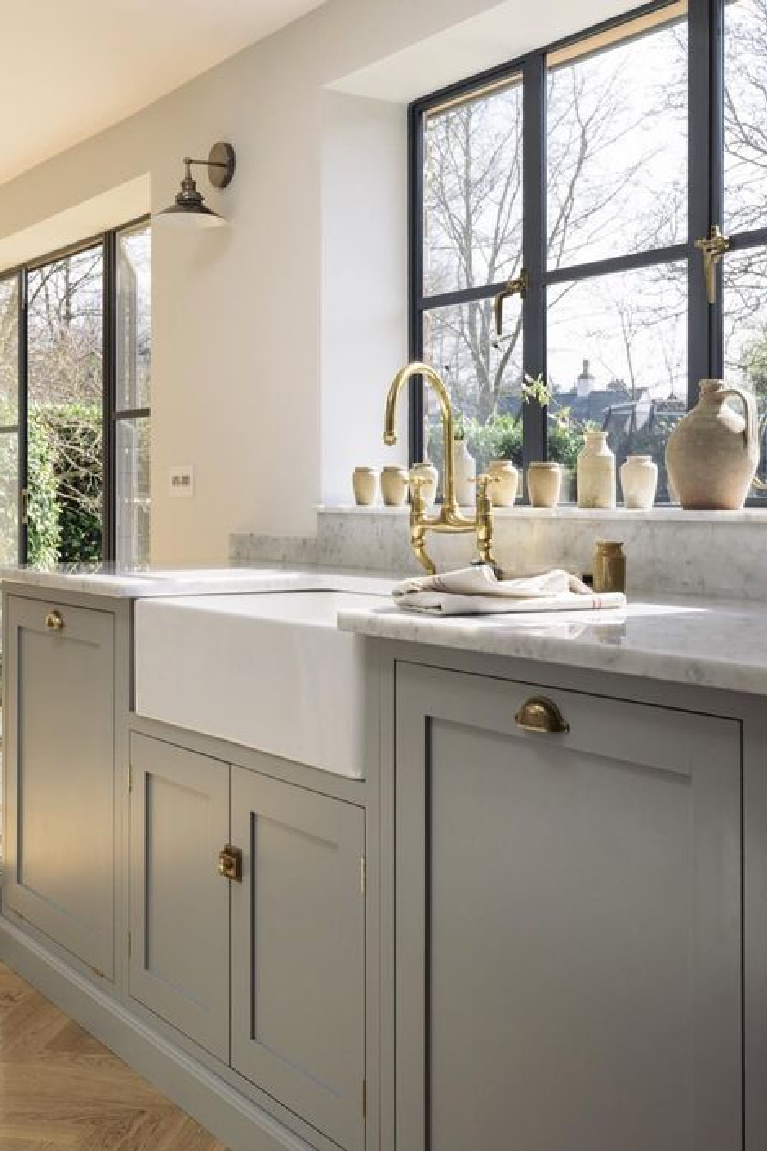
point(417, 484)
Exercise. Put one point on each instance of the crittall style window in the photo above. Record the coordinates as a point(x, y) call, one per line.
point(75, 352)
point(616, 183)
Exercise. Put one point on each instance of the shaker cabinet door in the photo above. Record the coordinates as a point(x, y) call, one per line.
point(568, 923)
point(59, 756)
point(179, 917)
point(298, 952)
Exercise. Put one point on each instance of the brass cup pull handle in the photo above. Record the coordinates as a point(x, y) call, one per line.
point(542, 716)
point(230, 863)
point(54, 621)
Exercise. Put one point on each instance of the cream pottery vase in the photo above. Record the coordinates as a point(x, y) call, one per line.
point(465, 473)
point(544, 483)
point(712, 454)
point(365, 484)
point(596, 473)
point(503, 491)
point(639, 479)
point(394, 486)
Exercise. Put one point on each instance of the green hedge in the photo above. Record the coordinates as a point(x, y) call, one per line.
point(65, 484)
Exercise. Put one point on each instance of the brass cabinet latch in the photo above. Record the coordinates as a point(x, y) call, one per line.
point(713, 246)
point(54, 621)
point(541, 715)
point(230, 863)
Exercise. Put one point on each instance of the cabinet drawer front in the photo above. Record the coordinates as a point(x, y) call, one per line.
point(298, 952)
point(568, 923)
point(179, 961)
point(60, 775)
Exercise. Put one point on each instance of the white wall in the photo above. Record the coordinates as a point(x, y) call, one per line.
point(274, 339)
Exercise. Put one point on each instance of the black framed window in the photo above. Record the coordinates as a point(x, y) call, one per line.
point(591, 168)
point(75, 344)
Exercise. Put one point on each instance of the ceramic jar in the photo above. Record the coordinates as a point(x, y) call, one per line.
point(431, 475)
point(394, 486)
point(464, 473)
point(596, 473)
point(365, 485)
point(713, 452)
point(544, 483)
point(639, 480)
point(609, 566)
point(503, 490)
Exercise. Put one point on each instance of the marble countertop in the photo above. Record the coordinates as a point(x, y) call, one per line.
point(709, 642)
point(705, 642)
point(109, 581)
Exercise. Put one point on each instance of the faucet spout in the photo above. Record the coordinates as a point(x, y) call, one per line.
point(390, 433)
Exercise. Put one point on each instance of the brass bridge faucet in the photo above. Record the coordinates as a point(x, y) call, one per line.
point(449, 517)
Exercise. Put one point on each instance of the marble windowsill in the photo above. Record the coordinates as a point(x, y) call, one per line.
point(660, 514)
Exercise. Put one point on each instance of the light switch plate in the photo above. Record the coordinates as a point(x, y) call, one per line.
point(181, 481)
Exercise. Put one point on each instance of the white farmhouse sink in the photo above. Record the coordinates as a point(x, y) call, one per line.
point(268, 671)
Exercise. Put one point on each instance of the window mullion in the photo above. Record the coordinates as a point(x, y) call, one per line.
point(23, 415)
point(534, 247)
point(705, 186)
point(109, 383)
point(415, 275)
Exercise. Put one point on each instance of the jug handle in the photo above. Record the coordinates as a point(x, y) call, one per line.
point(749, 412)
point(761, 425)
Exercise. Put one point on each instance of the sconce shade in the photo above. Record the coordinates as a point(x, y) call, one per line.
point(189, 207)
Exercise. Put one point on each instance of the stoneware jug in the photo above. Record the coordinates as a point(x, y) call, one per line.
point(712, 454)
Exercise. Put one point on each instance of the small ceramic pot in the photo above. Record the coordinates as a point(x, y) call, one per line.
point(639, 480)
point(429, 473)
point(503, 491)
point(365, 484)
point(465, 474)
point(544, 483)
point(394, 486)
point(596, 473)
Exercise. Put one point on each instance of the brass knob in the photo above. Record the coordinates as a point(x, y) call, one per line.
point(541, 715)
point(54, 621)
point(230, 863)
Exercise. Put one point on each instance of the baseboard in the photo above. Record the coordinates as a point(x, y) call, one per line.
point(233, 1119)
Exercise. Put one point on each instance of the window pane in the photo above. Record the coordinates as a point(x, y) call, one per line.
point(745, 114)
point(745, 326)
point(473, 191)
point(9, 351)
point(65, 410)
point(484, 380)
point(9, 497)
point(134, 318)
point(617, 359)
point(617, 145)
point(133, 499)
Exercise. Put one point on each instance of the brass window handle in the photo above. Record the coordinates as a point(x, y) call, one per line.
point(54, 621)
point(230, 863)
point(713, 246)
point(542, 716)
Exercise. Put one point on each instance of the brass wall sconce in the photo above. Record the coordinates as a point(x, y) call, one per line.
point(189, 206)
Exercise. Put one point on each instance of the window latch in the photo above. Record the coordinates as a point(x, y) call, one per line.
point(713, 246)
point(515, 287)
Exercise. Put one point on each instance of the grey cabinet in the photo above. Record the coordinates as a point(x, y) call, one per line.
point(267, 972)
point(569, 926)
point(59, 733)
point(298, 952)
point(179, 904)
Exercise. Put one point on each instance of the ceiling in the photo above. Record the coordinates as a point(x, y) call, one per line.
point(70, 69)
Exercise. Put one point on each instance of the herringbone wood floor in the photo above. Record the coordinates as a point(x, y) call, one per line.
point(61, 1090)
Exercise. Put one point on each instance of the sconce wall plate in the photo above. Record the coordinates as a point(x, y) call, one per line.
point(189, 205)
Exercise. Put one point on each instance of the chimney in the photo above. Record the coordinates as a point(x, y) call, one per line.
point(585, 382)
